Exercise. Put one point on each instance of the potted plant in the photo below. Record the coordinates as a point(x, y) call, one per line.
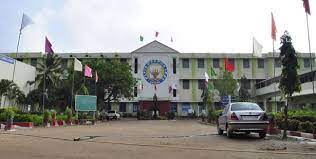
point(9, 115)
point(68, 113)
point(54, 120)
point(46, 118)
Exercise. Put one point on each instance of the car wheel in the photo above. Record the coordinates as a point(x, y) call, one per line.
point(229, 133)
point(219, 131)
point(115, 117)
point(262, 135)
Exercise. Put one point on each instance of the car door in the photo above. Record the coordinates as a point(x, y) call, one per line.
point(222, 119)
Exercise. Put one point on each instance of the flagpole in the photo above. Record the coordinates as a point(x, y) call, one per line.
point(72, 87)
point(16, 53)
point(310, 52)
point(275, 81)
point(44, 84)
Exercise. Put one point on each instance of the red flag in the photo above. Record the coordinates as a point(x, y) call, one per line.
point(273, 28)
point(96, 77)
point(228, 66)
point(306, 6)
point(48, 47)
point(157, 33)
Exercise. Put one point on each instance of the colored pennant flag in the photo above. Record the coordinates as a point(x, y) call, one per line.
point(96, 77)
point(206, 77)
point(273, 28)
point(141, 38)
point(228, 66)
point(87, 71)
point(26, 20)
point(257, 48)
point(48, 47)
point(77, 65)
point(213, 73)
point(210, 86)
point(306, 6)
point(156, 34)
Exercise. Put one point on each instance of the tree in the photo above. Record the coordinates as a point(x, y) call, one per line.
point(244, 95)
point(290, 81)
point(226, 84)
point(5, 86)
point(115, 80)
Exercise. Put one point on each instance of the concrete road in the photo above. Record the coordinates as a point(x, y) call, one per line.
point(185, 139)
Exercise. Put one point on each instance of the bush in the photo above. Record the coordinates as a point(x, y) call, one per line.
point(68, 113)
point(9, 112)
point(218, 112)
point(61, 117)
point(171, 115)
point(293, 125)
point(47, 116)
point(306, 127)
point(211, 116)
point(36, 119)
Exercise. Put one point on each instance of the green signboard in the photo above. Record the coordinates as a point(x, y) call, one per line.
point(85, 103)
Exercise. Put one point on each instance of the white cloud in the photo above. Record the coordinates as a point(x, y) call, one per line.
point(195, 25)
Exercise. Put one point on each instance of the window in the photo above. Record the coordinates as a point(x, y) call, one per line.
point(110, 107)
point(186, 84)
point(135, 91)
point(122, 107)
point(174, 65)
point(277, 62)
point(244, 106)
point(201, 84)
point(216, 63)
point(20, 59)
point(232, 61)
point(123, 60)
point(185, 63)
point(135, 65)
point(200, 63)
point(307, 63)
point(246, 63)
point(173, 107)
point(174, 92)
point(260, 63)
point(33, 62)
point(135, 107)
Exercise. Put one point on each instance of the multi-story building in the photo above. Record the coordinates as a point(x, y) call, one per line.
point(180, 76)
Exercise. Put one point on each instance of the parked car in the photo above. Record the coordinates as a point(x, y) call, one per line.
point(243, 117)
point(112, 114)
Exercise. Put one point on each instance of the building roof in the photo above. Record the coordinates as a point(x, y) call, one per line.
point(155, 47)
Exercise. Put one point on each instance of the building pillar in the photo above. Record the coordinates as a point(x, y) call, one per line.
point(265, 106)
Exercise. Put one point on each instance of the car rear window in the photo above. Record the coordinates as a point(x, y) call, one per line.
point(245, 106)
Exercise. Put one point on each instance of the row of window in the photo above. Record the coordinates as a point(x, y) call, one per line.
point(246, 63)
point(201, 84)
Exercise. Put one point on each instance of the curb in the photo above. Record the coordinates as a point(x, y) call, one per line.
point(300, 134)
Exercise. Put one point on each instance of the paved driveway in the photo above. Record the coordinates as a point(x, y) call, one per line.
point(185, 139)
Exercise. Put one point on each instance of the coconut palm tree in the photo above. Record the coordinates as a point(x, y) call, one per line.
point(5, 88)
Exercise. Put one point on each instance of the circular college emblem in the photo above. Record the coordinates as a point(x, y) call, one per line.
point(155, 71)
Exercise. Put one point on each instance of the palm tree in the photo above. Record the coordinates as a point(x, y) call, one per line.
point(5, 88)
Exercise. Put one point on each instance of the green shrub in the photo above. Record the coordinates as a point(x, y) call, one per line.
point(9, 112)
point(36, 119)
point(171, 115)
point(293, 125)
point(211, 116)
point(61, 117)
point(218, 112)
point(47, 116)
point(68, 113)
point(306, 127)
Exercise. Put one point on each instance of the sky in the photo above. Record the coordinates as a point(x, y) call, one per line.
point(196, 26)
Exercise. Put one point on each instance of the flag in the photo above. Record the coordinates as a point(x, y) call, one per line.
point(87, 71)
point(273, 28)
point(228, 66)
point(174, 86)
point(213, 73)
point(48, 47)
point(77, 65)
point(210, 86)
point(140, 85)
point(171, 39)
point(156, 34)
point(26, 20)
point(206, 77)
point(96, 77)
point(257, 48)
point(306, 6)
point(141, 38)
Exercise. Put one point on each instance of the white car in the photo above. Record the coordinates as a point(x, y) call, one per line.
point(112, 114)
